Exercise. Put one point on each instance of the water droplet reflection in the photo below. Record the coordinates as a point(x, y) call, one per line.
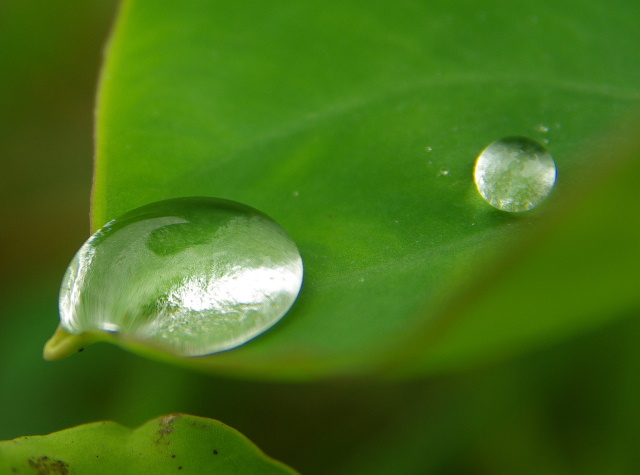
point(192, 275)
point(515, 174)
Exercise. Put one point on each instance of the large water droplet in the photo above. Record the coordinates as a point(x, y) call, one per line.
point(192, 276)
point(515, 174)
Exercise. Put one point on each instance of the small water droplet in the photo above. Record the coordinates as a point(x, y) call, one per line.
point(543, 129)
point(515, 174)
point(443, 171)
point(429, 149)
point(296, 193)
point(191, 275)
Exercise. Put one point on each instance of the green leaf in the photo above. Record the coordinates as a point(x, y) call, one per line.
point(355, 125)
point(175, 443)
point(574, 271)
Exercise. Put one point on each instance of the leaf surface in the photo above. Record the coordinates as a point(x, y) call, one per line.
point(174, 443)
point(356, 125)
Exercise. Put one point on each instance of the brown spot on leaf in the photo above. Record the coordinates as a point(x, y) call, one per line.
point(166, 427)
point(46, 466)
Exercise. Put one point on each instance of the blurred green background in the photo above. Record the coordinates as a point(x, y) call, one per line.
point(568, 408)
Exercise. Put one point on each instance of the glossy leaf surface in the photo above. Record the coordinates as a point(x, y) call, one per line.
point(356, 125)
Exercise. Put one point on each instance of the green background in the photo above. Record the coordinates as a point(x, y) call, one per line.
point(569, 406)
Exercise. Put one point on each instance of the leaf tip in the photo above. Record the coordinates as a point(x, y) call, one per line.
point(63, 344)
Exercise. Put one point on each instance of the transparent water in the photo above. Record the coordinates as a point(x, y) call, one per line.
point(515, 174)
point(193, 276)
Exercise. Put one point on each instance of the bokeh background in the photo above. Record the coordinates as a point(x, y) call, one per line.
point(572, 407)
